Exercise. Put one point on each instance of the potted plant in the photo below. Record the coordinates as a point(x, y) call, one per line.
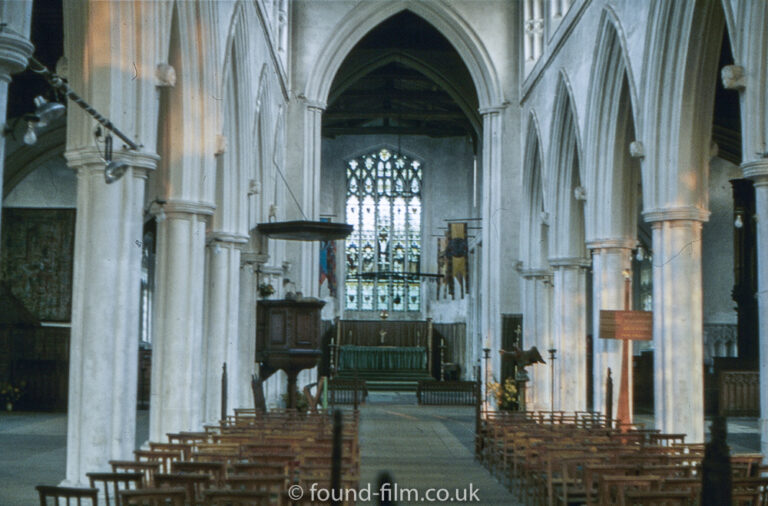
point(10, 393)
point(266, 289)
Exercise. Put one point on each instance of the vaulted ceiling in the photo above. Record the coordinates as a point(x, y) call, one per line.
point(403, 78)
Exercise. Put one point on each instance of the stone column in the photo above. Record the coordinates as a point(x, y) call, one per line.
point(15, 48)
point(610, 260)
point(537, 321)
point(677, 323)
point(492, 231)
point(249, 262)
point(310, 253)
point(177, 384)
point(758, 172)
point(221, 339)
point(105, 312)
point(570, 332)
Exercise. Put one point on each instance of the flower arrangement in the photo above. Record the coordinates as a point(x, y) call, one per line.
point(505, 395)
point(266, 289)
point(10, 392)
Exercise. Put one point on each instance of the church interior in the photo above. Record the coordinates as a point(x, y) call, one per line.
point(495, 225)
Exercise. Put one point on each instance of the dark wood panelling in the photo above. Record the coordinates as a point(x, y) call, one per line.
point(398, 333)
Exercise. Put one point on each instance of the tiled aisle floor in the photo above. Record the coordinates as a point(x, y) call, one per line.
point(423, 447)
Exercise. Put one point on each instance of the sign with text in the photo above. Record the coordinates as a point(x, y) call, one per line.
point(629, 325)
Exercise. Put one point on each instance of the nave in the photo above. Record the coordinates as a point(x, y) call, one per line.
point(421, 447)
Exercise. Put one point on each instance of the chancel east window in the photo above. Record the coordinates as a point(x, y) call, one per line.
point(384, 205)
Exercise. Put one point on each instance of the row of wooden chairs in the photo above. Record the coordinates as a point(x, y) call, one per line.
point(579, 458)
point(250, 458)
point(152, 497)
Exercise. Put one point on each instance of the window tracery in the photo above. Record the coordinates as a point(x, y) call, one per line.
point(384, 204)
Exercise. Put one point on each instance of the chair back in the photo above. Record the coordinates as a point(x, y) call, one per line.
point(154, 497)
point(72, 495)
point(236, 498)
point(113, 483)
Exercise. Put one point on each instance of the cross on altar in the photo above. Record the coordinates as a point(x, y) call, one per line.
point(627, 326)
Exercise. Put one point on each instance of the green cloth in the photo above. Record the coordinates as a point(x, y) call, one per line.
point(382, 357)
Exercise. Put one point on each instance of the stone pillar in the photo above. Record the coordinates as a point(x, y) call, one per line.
point(677, 323)
point(570, 332)
point(758, 172)
point(221, 339)
point(104, 344)
point(177, 384)
point(537, 328)
point(493, 230)
point(310, 253)
point(15, 48)
point(249, 263)
point(610, 260)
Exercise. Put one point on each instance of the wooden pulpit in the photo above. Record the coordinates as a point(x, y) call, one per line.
point(288, 338)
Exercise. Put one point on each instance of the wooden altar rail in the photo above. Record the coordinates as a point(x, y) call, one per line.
point(448, 393)
point(343, 391)
point(739, 393)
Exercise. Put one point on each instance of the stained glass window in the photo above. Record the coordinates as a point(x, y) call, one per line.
point(384, 205)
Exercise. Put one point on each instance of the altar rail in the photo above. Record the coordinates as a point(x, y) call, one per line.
point(740, 393)
point(343, 391)
point(447, 393)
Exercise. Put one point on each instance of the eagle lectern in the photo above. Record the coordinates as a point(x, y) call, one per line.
point(288, 338)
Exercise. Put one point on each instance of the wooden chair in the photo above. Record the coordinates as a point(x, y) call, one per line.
point(236, 498)
point(163, 457)
point(193, 483)
point(611, 489)
point(659, 498)
point(216, 470)
point(77, 496)
point(113, 483)
point(154, 497)
point(273, 485)
point(148, 469)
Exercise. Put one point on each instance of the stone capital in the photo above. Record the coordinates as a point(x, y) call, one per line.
point(756, 170)
point(493, 109)
point(89, 158)
point(188, 208)
point(534, 273)
point(618, 243)
point(570, 262)
point(252, 258)
point(14, 51)
point(685, 213)
point(226, 238)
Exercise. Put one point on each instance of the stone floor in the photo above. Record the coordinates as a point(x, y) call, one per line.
point(423, 448)
point(420, 447)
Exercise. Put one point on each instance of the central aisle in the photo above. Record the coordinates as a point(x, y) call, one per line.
point(424, 447)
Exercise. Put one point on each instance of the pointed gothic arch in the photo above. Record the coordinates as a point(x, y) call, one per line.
point(681, 56)
point(534, 251)
point(367, 15)
point(612, 178)
point(566, 178)
point(418, 64)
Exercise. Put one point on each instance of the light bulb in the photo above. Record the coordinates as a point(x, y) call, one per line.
point(640, 254)
point(739, 222)
point(30, 137)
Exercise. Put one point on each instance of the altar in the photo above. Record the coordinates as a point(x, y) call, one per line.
point(390, 358)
